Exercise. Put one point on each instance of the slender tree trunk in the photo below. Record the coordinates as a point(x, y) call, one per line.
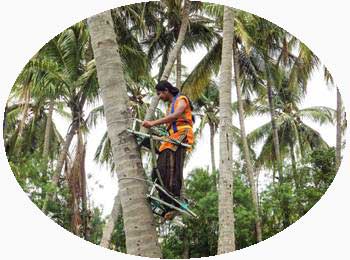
point(61, 159)
point(212, 148)
point(171, 60)
point(178, 85)
point(178, 69)
point(226, 240)
point(48, 130)
point(63, 154)
point(84, 205)
point(339, 124)
point(246, 153)
point(75, 176)
point(112, 220)
point(275, 138)
point(139, 224)
point(294, 164)
point(25, 111)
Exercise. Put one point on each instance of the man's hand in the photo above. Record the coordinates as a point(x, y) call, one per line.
point(147, 124)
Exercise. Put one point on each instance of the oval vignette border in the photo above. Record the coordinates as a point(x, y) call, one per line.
point(320, 221)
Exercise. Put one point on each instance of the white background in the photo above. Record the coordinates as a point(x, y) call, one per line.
point(323, 233)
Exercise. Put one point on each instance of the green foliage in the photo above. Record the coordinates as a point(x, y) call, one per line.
point(201, 235)
point(281, 204)
point(34, 177)
point(96, 224)
point(244, 212)
point(118, 236)
point(317, 175)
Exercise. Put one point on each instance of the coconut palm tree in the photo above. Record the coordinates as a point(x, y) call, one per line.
point(178, 29)
point(125, 152)
point(33, 130)
point(207, 108)
point(339, 129)
point(65, 63)
point(295, 136)
point(244, 141)
point(226, 241)
point(275, 48)
point(340, 122)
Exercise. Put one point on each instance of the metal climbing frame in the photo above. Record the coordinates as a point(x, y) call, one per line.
point(158, 204)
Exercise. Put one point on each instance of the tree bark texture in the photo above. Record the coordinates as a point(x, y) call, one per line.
point(226, 240)
point(25, 111)
point(339, 130)
point(139, 224)
point(48, 130)
point(178, 69)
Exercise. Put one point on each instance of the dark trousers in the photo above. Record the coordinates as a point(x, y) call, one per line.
point(170, 165)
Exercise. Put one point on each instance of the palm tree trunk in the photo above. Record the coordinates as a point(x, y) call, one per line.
point(276, 144)
point(226, 240)
point(246, 153)
point(283, 201)
point(25, 111)
point(178, 85)
point(294, 164)
point(76, 181)
point(178, 69)
point(139, 224)
point(48, 130)
point(112, 219)
point(171, 60)
point(212, 148)
point(339, 137)
point(84, 205)
point(61, 159)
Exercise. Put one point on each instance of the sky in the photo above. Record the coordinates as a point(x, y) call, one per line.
point(102, 185)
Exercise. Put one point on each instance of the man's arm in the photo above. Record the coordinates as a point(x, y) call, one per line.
point(169, 118)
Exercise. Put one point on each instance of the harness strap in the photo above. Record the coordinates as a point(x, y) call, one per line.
point(172, 111)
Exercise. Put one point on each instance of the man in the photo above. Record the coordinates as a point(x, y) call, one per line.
point(171, 157)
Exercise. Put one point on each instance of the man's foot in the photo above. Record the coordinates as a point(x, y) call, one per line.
point(178, 221)
point(170, 215)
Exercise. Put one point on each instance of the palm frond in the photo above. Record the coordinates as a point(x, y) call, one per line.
point(259, 134)
point(201, 75)
point(94, 116)
point(318, 114)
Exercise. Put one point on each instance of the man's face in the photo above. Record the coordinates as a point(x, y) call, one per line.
point(163, 95)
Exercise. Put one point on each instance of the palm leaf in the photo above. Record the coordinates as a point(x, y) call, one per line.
point(201, 75)
point(318, 114)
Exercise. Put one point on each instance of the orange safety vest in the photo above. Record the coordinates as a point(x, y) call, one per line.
point(181, 127)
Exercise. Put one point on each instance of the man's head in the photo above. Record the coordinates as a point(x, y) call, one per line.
point(165, 90)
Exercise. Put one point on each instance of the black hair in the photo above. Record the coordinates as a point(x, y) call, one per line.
point(166, 85)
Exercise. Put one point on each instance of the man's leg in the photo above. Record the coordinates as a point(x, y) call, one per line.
point(178, 171)
point(165, 165)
